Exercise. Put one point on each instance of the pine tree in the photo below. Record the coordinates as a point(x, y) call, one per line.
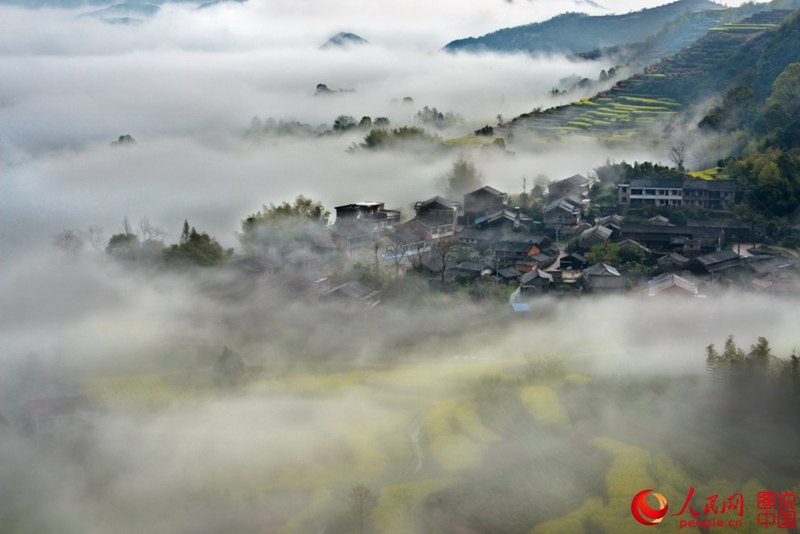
point(185, 234)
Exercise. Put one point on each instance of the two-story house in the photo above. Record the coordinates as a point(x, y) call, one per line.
point(483, 201)
point(710, 194)
point(577, 187)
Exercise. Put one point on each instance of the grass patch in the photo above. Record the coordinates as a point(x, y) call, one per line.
point(148, 391)
point(708, 174)
point(321, 501)
point(470, 422)
point(648, 100)
point(370, 459)
point(626, 477)
point(543, 404)
point(451, 449)
point(391, 515)
point(470, 140)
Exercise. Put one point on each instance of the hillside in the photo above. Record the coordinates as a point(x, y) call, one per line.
point(758, 47)
point(575, 32)
point(344, 40)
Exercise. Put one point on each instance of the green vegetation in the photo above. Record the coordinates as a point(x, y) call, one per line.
point(403, 137)
point(628, 256)
point(285, 226)
point(436, 119)
point(195, 249)
point(748, 52)
point(462, 178)
point(543, 404)
point(477, 140)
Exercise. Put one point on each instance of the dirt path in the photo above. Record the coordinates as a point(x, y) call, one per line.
point(413, 436)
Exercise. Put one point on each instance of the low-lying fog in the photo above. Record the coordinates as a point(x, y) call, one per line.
point(77, 84)
point(333, 399)
point(113, 422)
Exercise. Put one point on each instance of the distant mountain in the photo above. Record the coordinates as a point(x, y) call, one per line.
point(125, 13)
point(344, 40)
point(129, 9)
point(577, 32)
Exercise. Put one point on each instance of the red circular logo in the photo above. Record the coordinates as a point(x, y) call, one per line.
point(646, 514)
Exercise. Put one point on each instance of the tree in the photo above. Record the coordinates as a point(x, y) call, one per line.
point(185, 233)
point(376, 138)
point(303, 208)
point(150, 232)
point(760, 355)
point(145, 246)
point(632, 256)
point(296, 224)
point(125, 139)
point(343, 123)
point(443, 250)
point(786, 90)
point(462, 178)
point(363, 501)
point(323, 89)
point(256, 125)
point(198, 249)
point(678, 153)
point(70, 241)
point(398, 253)
point(123, 246)
point(604, 252)
point(728, 365)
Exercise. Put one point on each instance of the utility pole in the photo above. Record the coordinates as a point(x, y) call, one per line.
point(524, 192)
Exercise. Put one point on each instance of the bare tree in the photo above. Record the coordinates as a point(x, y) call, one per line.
point(70, 241)
point(678, 152)
point(94, 235)
point(443, 250)
point(399, 253)
point(150, 232)
point(363, 500)
point(126, 227)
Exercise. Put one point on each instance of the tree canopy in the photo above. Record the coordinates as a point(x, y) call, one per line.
point(462, 178)
point(284, 223)
point(195, 249)
point(303, 207)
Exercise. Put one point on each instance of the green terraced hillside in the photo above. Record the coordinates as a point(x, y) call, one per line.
point(698, 71)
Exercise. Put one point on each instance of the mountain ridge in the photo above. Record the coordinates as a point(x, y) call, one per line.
point(755, 49)
point(578, 32)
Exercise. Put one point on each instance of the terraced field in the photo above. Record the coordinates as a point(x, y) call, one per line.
point(496, 444)
point(664, 89)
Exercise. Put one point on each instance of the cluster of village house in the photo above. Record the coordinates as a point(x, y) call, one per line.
point(507, 246)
